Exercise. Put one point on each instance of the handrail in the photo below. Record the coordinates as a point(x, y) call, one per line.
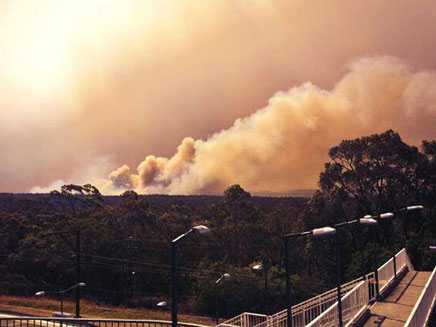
point(99, 321)
point(386, 272)
point(423, 307)
point(246, 319)
point(305, 312)
point(356, 294)
point(353, 303)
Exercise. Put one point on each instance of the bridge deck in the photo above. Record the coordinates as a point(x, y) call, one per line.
point(396, 308)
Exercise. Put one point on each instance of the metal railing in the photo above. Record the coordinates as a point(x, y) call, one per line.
point(353, 304)
point(302, 313)
point(246, 319)
point(305, 312)
point(316, 311)
point(81, 322)
point(423, 307)
point(386, 272)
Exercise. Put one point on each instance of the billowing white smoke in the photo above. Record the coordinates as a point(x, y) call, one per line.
point(284, 145)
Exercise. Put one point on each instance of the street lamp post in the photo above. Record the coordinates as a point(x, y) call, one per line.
point(338, 280)
point(391, 216)
point(61, 294)
point(317, 232)
point(223, 276)
point(405, 209)
point(373, 220)
point(365, 221)
point(258, 269)
point(200, 229)
point(369, 220)
point(385, 216)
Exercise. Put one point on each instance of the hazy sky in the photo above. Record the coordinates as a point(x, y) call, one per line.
point(87, 87)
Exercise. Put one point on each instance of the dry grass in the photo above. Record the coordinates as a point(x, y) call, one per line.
point(44, 307)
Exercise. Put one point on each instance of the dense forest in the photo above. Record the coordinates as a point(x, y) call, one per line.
point(124, 249)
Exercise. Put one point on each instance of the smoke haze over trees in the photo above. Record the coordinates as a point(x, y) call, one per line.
point(367, 175)
point(283, 146)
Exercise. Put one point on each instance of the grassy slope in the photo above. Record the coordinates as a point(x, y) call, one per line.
point(30, 306)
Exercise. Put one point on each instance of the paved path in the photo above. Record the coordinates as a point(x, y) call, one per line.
point(396, 308)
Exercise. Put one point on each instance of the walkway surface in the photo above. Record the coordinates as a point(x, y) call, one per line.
point(396, 308)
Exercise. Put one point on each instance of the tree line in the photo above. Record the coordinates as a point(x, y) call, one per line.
point(125, 241)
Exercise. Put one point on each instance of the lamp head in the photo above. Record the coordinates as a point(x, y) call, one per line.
point(386, 215)
point(368, 221)
point(81, 284)
point(257, 268)
point(162, 304)
point(200, 229)
point(413, 208)
point(223, 276)
point(40, 293)
point(323, 231)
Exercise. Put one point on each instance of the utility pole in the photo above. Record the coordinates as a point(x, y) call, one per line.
point(78, 273)
point(132, 271)
point(76, 249)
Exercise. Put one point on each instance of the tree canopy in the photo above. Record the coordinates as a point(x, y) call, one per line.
point(132, 233)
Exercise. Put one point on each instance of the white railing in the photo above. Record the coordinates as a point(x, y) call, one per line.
point(423, 307)
point(402, 260)
point(246, 319)
point(385, 274)
point(302, 313)
point(305, 312)
point(386, 271)
point(353, 304)
point(372, 286)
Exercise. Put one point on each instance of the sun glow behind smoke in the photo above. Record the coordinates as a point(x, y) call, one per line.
point(48, 48)
point(120, 81)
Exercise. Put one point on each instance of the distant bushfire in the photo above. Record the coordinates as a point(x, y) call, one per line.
point(284, 145)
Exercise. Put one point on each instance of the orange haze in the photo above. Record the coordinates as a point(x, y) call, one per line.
point(90, 86)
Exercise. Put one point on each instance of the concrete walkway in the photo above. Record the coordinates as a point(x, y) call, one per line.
point(396, 308)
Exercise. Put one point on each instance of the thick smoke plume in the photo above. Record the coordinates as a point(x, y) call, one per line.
point(283, 146)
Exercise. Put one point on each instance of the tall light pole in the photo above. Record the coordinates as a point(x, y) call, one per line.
point(365, 221)
point(377, 218)
point(258, 269)
point(317, 232)
point(391, 216)
point(131, 266)
point(223, 276)
point(395, 212)
point(338, 281)
point(200, 229)
point(61, 294)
